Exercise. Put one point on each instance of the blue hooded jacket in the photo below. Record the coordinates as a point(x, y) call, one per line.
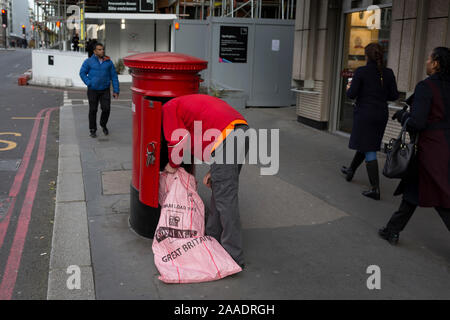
point(99, 76)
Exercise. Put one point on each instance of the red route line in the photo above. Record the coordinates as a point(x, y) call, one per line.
point(17, 184)
point(12, 266)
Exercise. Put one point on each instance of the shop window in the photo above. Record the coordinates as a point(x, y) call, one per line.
point(362, 28)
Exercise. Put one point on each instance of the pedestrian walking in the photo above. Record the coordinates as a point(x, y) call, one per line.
point(223, 222)
point(427, 183)
point(75, 42)
point(97, 72)
point(91, 46)
point(372, 86)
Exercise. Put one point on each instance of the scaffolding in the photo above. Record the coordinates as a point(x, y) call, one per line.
point(55, 22)
point(254, 9)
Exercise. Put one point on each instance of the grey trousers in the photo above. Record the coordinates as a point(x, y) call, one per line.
point(223, 221)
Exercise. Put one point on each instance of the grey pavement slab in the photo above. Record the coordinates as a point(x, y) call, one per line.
point(70, 236)
point(69, 150)
point(70, 187)
point(58, 289)
point(69, 165)
point(308, 234)
point(116, 182)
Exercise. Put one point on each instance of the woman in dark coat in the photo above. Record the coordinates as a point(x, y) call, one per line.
point(427, 183)
point(372, 86)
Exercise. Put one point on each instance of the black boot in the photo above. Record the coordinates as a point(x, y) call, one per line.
point(389, 236)
point(356, 162)
point(374, 178)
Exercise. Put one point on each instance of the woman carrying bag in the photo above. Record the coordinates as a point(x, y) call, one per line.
point(427, 182)
point(372, 86)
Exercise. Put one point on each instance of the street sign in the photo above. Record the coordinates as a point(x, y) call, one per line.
point(233, 44)
point(129, 6)
point(54, 19)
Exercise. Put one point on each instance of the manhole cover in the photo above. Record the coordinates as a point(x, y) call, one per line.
point(10, 165)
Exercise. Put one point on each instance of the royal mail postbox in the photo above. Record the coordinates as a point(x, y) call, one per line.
point(157, 78)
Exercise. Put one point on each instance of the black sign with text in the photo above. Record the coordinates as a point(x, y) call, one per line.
point(233, 44)
point(129, 6)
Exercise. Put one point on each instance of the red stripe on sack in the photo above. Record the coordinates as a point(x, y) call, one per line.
point(191, 203)
point(212, 259)
point(178, 270)
point(13, 264)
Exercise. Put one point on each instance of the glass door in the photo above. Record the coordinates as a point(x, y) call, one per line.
point(361, 29)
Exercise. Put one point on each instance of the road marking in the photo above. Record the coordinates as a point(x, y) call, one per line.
point(25, 118)
point(11, 144)
point(70, 102)
point(67, 101)
point(17, 184)
point(15, 255)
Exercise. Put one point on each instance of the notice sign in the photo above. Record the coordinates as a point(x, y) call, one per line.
point(233, 44)
point(275, 45)
point(147, 6)
point(129, 6)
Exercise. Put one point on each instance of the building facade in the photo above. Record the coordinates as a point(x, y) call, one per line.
point(20, 16)
point(330, 36)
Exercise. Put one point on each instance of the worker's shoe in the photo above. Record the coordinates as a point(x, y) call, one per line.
point(93, 134)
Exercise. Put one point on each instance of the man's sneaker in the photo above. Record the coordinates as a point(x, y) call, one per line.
point(93, 134)
point(389, 236)
point(105, 131)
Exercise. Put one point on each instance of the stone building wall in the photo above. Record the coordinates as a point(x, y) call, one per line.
point(417, 27)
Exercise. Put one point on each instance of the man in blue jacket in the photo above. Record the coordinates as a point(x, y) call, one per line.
point(97, 72)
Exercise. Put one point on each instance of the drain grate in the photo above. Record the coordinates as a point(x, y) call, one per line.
point(10, 165)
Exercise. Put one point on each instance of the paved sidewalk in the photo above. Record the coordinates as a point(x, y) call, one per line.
point(308, 234)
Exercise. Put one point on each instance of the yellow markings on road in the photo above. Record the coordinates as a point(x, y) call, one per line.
point(10, 144)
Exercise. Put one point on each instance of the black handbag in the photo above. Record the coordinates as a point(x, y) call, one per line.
point(399, 154)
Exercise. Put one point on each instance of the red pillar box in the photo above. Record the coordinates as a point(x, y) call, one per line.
point(157, 78)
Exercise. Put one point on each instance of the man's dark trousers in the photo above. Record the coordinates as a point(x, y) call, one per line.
point(223, 221)
point(96, 96)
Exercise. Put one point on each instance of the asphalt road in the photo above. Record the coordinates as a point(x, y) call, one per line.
point(28, 184)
